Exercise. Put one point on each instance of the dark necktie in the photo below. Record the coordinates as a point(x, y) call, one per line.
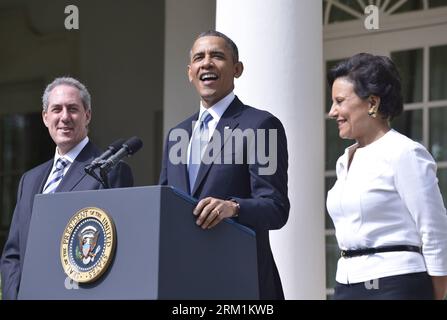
point(199, 141)
point(56, 176)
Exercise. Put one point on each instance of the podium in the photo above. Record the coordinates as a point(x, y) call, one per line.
point(160, 252)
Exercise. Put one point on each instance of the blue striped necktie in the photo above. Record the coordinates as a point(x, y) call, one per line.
point(56, 176)
point(199, 141)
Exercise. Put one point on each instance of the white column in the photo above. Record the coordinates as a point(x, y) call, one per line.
point(281, 46)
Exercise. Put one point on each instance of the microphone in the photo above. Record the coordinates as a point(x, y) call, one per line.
point(129, 148)
point(100, 160)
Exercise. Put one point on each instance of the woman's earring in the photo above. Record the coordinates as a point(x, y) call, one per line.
point(372, 112)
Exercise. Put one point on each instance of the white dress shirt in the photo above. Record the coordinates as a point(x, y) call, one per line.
point(389, 196)
point(216, 111)
point(70, 156)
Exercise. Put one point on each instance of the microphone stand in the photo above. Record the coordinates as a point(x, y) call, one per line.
point(104, 180)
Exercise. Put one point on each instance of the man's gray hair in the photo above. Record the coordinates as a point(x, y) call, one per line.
point(68, 81)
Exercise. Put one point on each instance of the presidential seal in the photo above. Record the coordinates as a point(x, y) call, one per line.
point(88, 245)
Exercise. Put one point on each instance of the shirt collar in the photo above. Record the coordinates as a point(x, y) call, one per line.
point(343, 162)
point(73, 153)
point(218, 109)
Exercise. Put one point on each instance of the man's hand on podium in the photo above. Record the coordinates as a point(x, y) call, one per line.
point(210, 211)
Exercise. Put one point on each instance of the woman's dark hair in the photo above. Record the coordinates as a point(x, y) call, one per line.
point(372, 75)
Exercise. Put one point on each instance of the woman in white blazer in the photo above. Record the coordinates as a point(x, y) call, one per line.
point(388, 212)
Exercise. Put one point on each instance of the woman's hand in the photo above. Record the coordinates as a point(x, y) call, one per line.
point(439, 287)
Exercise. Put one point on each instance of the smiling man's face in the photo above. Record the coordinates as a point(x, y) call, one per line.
point(66, 117)
point(212, 69)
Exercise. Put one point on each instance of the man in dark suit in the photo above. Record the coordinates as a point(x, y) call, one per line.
point(66, 113)
point(235, 183)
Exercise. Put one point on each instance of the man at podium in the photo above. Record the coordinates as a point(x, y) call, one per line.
point(66, 113)
point(222, 162)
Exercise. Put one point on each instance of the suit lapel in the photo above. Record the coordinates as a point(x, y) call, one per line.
point(182, 168)
point(228, 121)
point(41, 179)
point(76, 171)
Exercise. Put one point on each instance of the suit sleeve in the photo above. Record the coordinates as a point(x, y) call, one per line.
point(121, 176)
point(10, 262)
point(268, 207)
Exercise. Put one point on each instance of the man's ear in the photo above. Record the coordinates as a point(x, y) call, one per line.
point(189, 73)
point(44, 118)
point(238, 69)
point(88, 115)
